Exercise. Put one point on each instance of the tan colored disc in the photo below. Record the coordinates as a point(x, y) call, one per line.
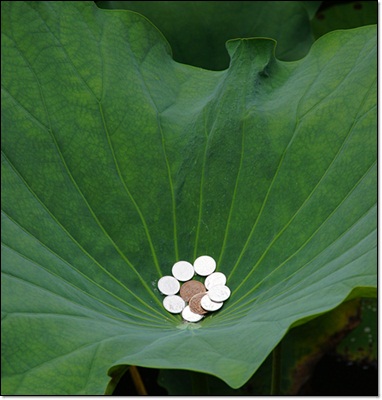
point(194, 304)
point(191, 288)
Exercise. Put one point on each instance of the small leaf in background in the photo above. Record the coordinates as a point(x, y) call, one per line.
point(345, 16)
point(360, 346)
point(198, 30)
point(312, 7)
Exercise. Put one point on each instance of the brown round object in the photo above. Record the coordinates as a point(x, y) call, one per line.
point(191, 288)
point(194, 304)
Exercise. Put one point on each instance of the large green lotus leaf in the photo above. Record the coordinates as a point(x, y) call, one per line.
point(117, 161)
point(300, 350)
point(198, 30)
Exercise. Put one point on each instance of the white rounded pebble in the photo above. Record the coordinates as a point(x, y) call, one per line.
point(210, 305)
point(168, 285)
point(204, 265)
point(219, 293)
point(183, 271)
point(217, 278)
point(189, 316)
point(174, 304)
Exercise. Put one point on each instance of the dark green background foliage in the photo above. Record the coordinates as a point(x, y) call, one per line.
point(118, 161)
point(198, 30)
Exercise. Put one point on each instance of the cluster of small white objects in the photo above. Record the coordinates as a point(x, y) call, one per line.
point(195, 299)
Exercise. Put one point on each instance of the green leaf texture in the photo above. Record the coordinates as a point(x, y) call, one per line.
point(117, 162)
point(198, 30)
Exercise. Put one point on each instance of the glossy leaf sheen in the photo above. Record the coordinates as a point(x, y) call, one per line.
point(118, 161)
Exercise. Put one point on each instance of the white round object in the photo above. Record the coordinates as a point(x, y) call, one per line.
point(219, 293)
point(183, 271)
point(210, 305)
point(168, 285)
point(204, 265)
point(189, 316)
point(174, 304)
point(217, 278)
